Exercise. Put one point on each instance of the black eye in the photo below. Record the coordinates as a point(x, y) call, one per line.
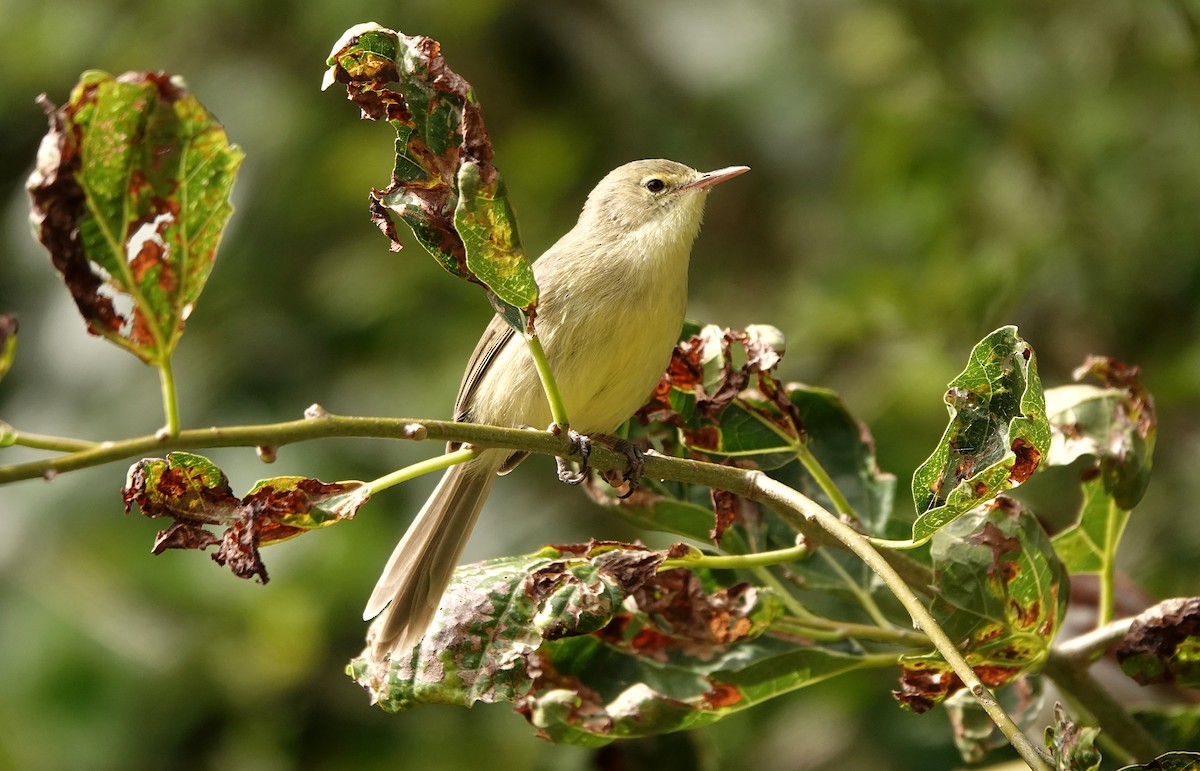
point(655, 185)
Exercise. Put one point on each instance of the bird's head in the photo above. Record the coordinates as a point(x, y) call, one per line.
point(653, 199)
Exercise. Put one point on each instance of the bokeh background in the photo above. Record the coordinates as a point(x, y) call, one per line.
point(923, 172)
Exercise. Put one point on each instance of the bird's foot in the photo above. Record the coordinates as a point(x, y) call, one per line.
point(579, 443)
point(635, 463)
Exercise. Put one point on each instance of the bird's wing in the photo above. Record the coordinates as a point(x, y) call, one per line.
point(494, 338)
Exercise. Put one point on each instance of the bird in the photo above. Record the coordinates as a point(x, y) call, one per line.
point(612, 299)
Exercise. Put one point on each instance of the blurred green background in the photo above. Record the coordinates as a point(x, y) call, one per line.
point(923, 172)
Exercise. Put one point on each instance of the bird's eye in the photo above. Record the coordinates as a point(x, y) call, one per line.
point(655, 185)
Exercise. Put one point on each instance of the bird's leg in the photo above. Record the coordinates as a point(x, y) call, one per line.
point(579, 443)
point(635, 460)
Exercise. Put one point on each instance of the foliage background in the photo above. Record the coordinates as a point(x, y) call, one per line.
point(923, 172)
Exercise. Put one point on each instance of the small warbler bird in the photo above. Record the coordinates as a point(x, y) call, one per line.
point(613, 292)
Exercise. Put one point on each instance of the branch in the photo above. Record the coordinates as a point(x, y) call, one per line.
point(1092, 699)
point(812, 521)
point(798, 509)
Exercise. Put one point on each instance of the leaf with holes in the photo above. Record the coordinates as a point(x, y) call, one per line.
point(591, 643)
point(192, 491)
point(1000, 590)
point(444, 185)
point(130, 196)
point(720, 393)
point(996, 438)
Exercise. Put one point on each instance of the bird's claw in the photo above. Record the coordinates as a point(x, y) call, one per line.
point(636, 462)
point(579, 443)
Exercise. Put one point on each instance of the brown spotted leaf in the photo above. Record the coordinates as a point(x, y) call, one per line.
point(591, 643)
point(444, 185)
point(721, 394)
point(130, 196)
point(1116, 424)
point(996, 438)
point(195, 493)
point(999, 590)
point(1163, 645)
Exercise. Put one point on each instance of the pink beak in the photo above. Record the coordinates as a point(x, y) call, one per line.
point(715, 177)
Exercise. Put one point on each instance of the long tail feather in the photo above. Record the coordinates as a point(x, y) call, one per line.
point(407, 593)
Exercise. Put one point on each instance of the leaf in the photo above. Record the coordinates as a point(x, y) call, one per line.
point(975, 734)
point(999, 591)
point(718, 397)
point(725, 401)
point(1171, 761)
point(1090, 545)
point(618, 696)
point(1073, 748)
point(195, 493)
point(1116, 423)
point(996, 438)
point(844, 447)
point(495, 613)
point(8, 342)
point(130, 196)
point(443, 185)
point(591, 643)
point(680, 658)
point(1163, 644)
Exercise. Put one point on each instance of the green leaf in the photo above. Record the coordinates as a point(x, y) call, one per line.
point(590, 694)
point(1073, 748)
point(843, 446)
point(999, 590)
point(591, 644)
point(130, 196)
point(495, 614)
point(192, 491)
point(1163, 644)
point(443, 185)
point(1171, 761)
point(1090, 545)
point(996, 438)
point(719, 397)
point(8, 342)
point(286, 507)
point(681, 658)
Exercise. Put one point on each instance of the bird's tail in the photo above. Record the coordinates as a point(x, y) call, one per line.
point(407, 593)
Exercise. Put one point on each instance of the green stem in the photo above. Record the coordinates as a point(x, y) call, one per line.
point(558, 410)
point(830, 629)
point(813, 466)
point(880, 660)
point(1092, 700)
point(864, 598)
point(1105, 602)
point(802, 511)
point(56, 443)
point(169, 396)
point(424, 467)
point(768, 578)
point(735, 561)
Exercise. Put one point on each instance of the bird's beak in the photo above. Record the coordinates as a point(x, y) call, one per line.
point(715, 177)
